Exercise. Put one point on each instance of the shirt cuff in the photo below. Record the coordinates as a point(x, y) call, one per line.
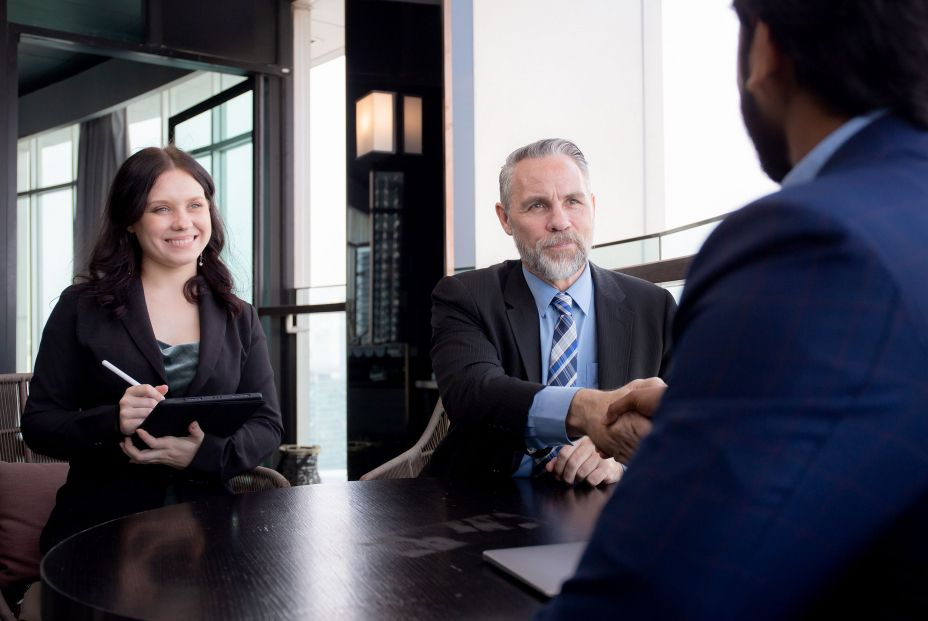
point(545, 425)
point(525, 468)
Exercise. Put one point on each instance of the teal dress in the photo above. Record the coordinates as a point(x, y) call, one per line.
point(180, 366)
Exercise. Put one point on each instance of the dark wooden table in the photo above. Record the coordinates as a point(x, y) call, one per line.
point(403, 549)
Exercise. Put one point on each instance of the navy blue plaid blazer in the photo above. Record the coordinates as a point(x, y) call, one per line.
point(787, 472)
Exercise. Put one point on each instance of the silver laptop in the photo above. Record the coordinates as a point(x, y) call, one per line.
point(544, 568)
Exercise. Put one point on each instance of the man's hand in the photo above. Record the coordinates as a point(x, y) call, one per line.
point(642, 400)
point(615, 432)
point(582, 462)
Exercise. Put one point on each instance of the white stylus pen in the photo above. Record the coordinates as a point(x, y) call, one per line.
point(112, 367)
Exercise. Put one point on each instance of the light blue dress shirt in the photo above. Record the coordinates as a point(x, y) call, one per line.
point(545, 425)
point(809, 166)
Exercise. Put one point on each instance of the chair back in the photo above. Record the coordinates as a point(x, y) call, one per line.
point(259, 479)
point(409, 464)
point(14, 390)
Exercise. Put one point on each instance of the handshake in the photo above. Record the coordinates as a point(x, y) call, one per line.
point(615, 420)
point(608, 426)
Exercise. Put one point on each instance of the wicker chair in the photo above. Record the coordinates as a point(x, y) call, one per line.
point(14, 389)
point(409, 464)
point(259, 479)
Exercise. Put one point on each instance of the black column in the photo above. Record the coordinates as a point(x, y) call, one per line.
point(9, 92)
point(395, 47)
point(273, 244)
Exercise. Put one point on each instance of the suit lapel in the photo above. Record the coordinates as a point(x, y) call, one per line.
point(138, 324)
point(212, 335)
point(523, 321)
point(613, 329)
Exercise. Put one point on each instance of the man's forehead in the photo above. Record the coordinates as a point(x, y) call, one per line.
point(541, 173)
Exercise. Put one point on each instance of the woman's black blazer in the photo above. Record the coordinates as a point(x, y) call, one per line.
point(72, 410)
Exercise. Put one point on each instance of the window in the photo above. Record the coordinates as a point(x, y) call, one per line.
point(322, 360)
point(146, 123)
point(46, 183)
point(219, 135)
point(148, 117)
point(46, 178)
point(701, 108)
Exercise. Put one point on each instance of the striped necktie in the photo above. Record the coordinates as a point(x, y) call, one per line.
point(562, 365)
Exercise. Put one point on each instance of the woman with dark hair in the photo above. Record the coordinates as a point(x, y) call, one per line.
point(157, 302)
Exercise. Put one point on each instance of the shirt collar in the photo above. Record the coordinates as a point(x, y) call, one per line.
point(581, 291)
point(809, 166)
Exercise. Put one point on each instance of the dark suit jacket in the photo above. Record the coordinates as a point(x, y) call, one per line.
point(72, 410)
point(787, 472)
point(486, 357)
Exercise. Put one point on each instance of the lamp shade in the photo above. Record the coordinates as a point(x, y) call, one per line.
point(374, 123)
point(412, 124)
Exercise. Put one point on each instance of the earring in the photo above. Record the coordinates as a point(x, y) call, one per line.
point(201, 260)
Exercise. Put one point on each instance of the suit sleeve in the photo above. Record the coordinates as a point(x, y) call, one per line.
point(474, 386)
point(223, 458)
point(781, 445)
point(670, 310)
point(53, 423)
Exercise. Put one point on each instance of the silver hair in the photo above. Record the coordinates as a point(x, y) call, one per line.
point(541, 148)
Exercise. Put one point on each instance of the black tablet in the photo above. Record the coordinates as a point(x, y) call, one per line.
point(219, 415)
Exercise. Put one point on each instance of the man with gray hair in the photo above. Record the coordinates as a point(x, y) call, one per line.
point(529, 354)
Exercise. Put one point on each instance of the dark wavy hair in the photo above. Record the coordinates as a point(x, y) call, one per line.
point(853, 55)
point(116, 260)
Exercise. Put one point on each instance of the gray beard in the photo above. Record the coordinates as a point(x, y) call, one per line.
point(548, 268)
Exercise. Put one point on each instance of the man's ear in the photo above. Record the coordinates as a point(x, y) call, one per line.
point(593, 203)
point(767, 66)
point(503, 218)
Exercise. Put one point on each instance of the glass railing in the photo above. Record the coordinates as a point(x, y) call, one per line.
point(318, 322)
point(682, 241)
point(657, 253)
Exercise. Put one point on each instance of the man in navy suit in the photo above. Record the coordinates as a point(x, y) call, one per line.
point(786, 474)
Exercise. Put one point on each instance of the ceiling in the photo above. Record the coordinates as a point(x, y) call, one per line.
point(40, 66)
point(327, 30)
